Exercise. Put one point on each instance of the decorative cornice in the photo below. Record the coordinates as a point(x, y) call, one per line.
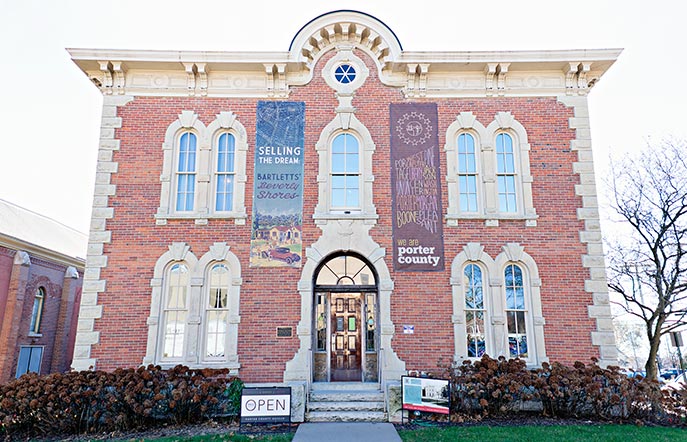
point(48, 255)
point(271, 74)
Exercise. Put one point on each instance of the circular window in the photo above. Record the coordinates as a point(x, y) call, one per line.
point(344, 73)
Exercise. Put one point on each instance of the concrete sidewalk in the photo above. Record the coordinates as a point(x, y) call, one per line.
point(346, 432)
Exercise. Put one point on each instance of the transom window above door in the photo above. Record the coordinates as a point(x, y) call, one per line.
point(345, 270)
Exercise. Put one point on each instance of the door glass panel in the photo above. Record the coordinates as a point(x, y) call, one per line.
point(346, 359)
point(351, 324)
point(321, 322)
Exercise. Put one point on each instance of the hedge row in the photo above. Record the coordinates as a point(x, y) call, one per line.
point(125, 399)
point(500, 387)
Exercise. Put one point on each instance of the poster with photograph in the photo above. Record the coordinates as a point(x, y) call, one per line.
point(425, 394)
point(278, 185)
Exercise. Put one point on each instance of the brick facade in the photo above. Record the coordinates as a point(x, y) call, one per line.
point(21, 275)
point(126, 241)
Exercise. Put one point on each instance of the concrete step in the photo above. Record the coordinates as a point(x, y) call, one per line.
point(346, 406)
point(347, 396)
point(337, 386)
point(345, 416)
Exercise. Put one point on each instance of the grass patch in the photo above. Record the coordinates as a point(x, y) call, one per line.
point(531, 433)
point(285, 437)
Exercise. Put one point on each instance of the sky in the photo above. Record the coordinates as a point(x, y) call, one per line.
point(50, 112)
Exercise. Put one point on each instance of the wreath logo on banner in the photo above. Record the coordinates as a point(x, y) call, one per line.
point(414, 128)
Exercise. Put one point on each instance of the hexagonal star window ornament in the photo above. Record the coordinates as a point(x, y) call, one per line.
point(344, 73)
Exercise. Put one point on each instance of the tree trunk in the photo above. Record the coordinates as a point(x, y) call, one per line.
point(651, 366)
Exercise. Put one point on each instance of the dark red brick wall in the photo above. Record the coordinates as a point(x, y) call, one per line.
point(269, 297)
point(50, 276)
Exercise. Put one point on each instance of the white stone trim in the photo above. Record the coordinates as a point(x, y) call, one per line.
point(514, 253)
point(219, 253)
point(93, 285)
point(472, 253)
point(496, 333)
point(416, 73)
point(345, 122)
point(487, 189)
point(348, 235)
point(465, 122)
point(207, 137)
point(179, 252)
point(596, 286)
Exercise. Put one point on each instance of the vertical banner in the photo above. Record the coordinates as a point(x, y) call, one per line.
point(417, 232)
point(278, 185)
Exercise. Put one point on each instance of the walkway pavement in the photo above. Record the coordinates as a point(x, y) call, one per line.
point(346, 432)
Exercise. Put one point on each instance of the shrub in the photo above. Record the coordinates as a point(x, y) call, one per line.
point(126, 399)
point(499, 387)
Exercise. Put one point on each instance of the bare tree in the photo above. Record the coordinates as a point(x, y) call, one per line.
point(647, 261)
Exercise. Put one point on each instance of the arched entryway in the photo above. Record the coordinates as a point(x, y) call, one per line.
point(345, 320)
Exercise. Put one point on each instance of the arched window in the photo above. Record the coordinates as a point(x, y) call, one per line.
point(345, 173)
point(497, 305)
point(175, 310)
point(488, 171)
point(37, 311)
point(474, 311)
point(225, 173)
point(516, 312)
point(505, 173)
point(203, 170)
point(194, 309)
point(467, 173)
point(217, 312)
point(186, 173)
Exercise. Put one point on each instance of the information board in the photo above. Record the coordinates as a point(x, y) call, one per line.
point(425, 394)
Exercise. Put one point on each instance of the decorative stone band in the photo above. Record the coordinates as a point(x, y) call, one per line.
point(90, 310)
point(600, 309)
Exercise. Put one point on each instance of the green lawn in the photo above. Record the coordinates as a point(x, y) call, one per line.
point(586, 433)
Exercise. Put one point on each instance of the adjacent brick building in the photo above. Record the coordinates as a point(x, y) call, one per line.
point(41, 262)
point(345, 210)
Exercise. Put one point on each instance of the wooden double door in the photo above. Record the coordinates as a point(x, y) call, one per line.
point(346, 337)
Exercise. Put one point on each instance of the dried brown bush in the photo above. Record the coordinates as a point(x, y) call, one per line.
point(501, 387)
point(126, 399)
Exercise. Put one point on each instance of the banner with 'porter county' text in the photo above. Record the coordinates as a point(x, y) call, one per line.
point(417, 232)
point(278, 185)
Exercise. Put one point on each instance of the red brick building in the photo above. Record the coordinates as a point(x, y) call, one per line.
point(345, 210)
point(40, 288)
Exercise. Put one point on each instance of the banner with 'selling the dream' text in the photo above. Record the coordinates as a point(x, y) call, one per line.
point(278, 185)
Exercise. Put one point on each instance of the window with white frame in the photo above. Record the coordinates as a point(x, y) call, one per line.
point(475, 311)
point(225, 173)
point(467, 173)
point(186, 173)
point(501, 314)
point(37, 311)
point(345, 173)
point(217, 312)
point(204, 169)
point(195, 309)
point(488, 170)
point(505, 173)
point(175, 312)
point(516, 312)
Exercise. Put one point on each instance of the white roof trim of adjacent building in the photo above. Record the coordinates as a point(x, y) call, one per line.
point(22, 229)
point(417, 73)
